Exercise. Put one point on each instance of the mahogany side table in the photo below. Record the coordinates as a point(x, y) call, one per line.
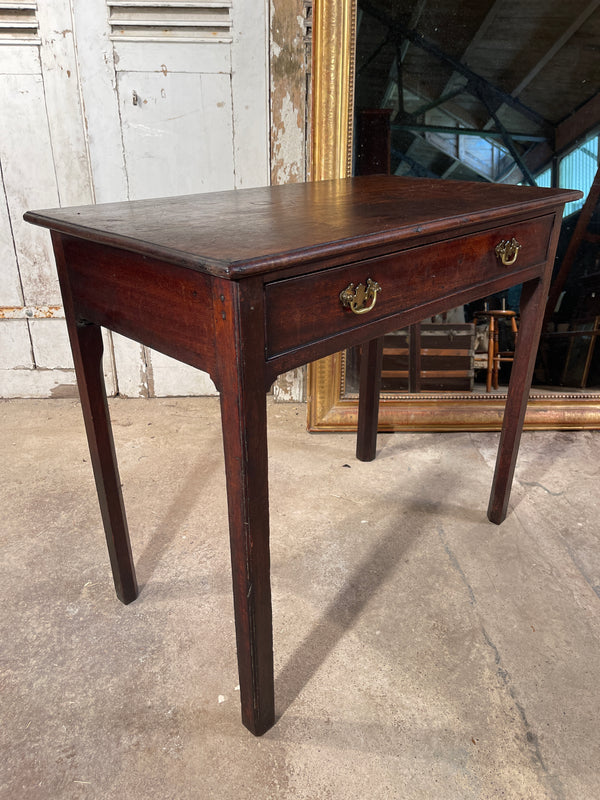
point(248, 284)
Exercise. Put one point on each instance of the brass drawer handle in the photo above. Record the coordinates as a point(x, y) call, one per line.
point(507, 251)
point(356, 298)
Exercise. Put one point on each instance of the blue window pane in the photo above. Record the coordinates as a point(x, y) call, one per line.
point(577, 171)
point(544, 179)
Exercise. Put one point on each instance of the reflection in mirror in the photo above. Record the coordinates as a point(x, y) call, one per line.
point(497, 91)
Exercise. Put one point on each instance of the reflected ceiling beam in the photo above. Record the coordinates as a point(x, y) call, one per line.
point(569, 132)
point(578, 125)
point(445, 98)
point(455, 117)
point(475, 83)
point(538, 158)
point(414, 21)
point(546, 58)
point(373, 55)
point(453, 110)
point(452, 168)
point(519, 137)
point(506, 138)
point(558, 44)
point(480, 34)
point(417, 169)
point(482, 31)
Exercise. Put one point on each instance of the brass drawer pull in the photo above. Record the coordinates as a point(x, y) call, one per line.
point(507, 251)
point(356, 298)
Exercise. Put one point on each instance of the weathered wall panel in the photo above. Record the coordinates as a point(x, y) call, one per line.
point(44, 163)
point(290, 86)
point(29, 181)
point(15, 346)
point(10, 284)
point(50, 343)
point(19, 60)
point(38, 383)
point(61, 90)
point(250, 93)
point(131, 366)
point(177, 132)
point(93, 119)
point(172, 57)
point(170, 378)
point(289, 70)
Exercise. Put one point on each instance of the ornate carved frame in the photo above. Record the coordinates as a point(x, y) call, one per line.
point(334, 40)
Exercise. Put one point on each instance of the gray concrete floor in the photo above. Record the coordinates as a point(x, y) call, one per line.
point(420, 652)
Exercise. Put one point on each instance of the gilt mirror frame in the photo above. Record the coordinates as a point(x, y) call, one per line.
point(329, 408)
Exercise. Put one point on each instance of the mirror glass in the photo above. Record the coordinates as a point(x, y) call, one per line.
point(498, 91)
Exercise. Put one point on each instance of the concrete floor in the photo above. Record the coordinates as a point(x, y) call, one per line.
point(420, 652)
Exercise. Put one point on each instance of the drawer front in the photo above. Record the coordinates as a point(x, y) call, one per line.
point(308, 308)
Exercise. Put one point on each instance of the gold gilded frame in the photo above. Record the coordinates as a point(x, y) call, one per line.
point(334, 41)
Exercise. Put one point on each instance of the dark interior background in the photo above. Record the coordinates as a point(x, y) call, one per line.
point(500, 91)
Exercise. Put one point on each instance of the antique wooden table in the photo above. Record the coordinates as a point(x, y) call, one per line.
point(247, 284)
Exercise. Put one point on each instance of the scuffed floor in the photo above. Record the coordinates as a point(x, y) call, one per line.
point(420, 652)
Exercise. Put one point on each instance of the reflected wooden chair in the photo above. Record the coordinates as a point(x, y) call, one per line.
point(495, 355)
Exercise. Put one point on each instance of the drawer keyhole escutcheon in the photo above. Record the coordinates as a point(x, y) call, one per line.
point(507, 251)
point(361, 298)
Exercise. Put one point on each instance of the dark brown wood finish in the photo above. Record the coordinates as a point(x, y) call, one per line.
point(533, 304)
point(86, 345)
point(238, 325)
point(132, 295)
point(414, 358)
point(371, 360)
point(303, 226)
point(306, 308)
point(245, 284)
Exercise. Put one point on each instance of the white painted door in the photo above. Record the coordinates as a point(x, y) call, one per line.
point(43, 162)
point(112, 100)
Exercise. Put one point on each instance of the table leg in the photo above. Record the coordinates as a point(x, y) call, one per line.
point(87, 349)
point(239, 334)
point(371, 359)
point(533, 300)
point(245, 441)
point(414, 358)
point(86, 344)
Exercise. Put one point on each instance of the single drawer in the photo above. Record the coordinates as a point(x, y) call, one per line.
point(308, 308)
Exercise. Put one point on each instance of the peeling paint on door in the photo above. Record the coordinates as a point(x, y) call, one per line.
point(98, 116)
point(289, 91)
point(290, 123)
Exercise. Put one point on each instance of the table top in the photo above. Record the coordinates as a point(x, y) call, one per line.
point(245, 232)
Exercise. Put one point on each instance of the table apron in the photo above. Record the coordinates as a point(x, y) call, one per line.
point(153, 302)
point(401, 318)
point(308, 309)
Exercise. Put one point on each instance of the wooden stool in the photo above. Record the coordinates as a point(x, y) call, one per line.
point(495, 356)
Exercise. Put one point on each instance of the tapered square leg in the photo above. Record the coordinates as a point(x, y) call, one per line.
point(244, 437)
point(533, 300)
point(86, 343)
point(244, 421)
point(371, 360)
point(87, 349)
